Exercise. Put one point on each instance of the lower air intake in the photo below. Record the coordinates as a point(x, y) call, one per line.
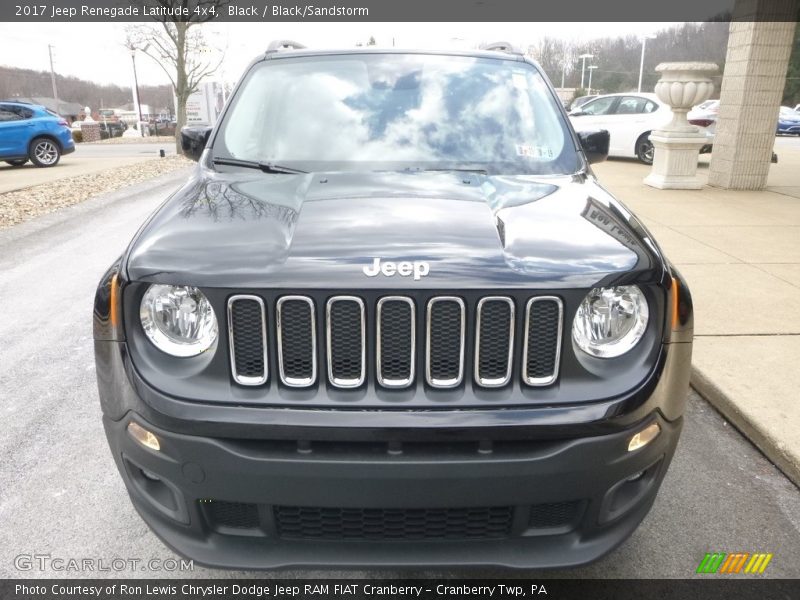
point(303, 522)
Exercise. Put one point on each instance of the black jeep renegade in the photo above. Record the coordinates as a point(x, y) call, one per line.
point(392, 318)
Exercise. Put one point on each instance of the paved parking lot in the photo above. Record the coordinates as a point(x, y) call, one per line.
point(61, 494)
point(87, 158)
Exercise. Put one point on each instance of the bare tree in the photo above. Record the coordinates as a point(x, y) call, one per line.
point(179, 47)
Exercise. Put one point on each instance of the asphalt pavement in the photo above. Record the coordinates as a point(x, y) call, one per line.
point(61, 495)
point(87, 159)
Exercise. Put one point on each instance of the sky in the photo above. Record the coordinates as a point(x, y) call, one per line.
point(95, 51)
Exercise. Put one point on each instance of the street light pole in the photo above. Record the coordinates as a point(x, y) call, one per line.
point(641, 62)
point(591, 70)
point(583, 66)
point(53, 79)
point(136, 91)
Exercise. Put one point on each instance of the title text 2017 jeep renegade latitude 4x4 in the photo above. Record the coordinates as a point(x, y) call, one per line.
point(392, 319)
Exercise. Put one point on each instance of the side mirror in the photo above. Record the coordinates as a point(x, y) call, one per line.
point(595, 144)
point(577, 112)
point(194, 140)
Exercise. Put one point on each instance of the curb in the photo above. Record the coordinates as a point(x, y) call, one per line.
point(58, 217)
point(726, 406)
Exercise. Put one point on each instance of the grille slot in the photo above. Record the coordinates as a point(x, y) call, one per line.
point(302, 522)
point(396, 341)
point(494, 341)
point(238, 515)
point(554, 514)
point(346, 341)
point(297, 340)
point(544, 316)
point(444, 360)
point(247, 336)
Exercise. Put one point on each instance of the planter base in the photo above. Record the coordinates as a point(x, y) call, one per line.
point(675, 160)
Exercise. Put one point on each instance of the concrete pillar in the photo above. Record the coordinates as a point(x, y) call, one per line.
point(752, 88)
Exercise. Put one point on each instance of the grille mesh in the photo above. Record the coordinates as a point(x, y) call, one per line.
point(239, 515)
point(345, 340)
point(296, 323)
point(301, 522)
point(247, 316)
point(445, 338)
point(544, 317)
point(554, 514)
point(495, 339)
point(396, 341)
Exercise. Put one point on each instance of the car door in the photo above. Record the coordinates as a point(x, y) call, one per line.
point(14, 130)
point(594, 114)
point(631, 118)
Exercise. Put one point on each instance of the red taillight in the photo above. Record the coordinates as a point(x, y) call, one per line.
point(701, 122)
point(63, 122)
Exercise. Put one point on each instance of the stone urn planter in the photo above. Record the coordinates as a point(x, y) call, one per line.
point(677, 145)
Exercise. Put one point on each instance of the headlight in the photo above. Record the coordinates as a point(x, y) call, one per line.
point(610, 321)
point(178, 319)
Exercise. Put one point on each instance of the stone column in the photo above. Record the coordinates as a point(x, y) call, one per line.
point(752, 88)
point(677, 144)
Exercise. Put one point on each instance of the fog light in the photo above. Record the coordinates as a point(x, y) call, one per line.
point(144, 437)
point(644, 437)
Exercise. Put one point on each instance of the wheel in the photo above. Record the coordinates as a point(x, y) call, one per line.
point(18, 162)
point(645, 149)
point(45, 152)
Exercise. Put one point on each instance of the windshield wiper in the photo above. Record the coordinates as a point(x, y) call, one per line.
point(481, 171)
point(266, 167)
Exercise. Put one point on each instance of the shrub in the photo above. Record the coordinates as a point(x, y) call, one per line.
point(77, 136)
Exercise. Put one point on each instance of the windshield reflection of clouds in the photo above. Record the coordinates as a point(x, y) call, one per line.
point(417, 109)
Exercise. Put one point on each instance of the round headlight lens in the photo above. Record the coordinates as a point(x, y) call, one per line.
point(178, 319)
point(610, 321)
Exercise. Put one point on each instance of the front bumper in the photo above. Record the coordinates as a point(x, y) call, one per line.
point(239, 504)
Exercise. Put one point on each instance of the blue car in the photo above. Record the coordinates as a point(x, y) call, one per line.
point(31, 132)
point(788, 121)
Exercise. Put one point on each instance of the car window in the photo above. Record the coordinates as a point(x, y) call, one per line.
point(632, 105)
point(601, 106)
point(650, 107)
point(24, 113)
point(351, 112)
point(7, 113)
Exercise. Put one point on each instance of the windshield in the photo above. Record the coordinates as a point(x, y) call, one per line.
point(397, 111)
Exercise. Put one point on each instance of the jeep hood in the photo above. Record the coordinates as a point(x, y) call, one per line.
point(244, 228)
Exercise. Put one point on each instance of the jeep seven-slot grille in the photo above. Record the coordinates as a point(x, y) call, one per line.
point(431, 332)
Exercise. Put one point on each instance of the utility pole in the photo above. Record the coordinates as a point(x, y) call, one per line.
point(641, 62)
point(53, 78)
point(583, 65)
point(591, 69)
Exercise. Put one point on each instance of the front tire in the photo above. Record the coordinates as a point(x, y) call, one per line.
point(644, 149)
point(45, 152)
point(18, 162)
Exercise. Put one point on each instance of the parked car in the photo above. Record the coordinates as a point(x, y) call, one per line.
point(581, 100)
point(705, 115)
point(629, 118)
point(788, 121)
point(113, 128)
point(32, 132)
point(393, 318)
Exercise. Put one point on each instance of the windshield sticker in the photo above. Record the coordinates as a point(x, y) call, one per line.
point(535, 152)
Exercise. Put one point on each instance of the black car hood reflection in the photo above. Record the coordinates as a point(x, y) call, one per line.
point(319, 230)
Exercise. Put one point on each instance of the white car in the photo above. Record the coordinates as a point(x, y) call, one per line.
point(629, 119)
